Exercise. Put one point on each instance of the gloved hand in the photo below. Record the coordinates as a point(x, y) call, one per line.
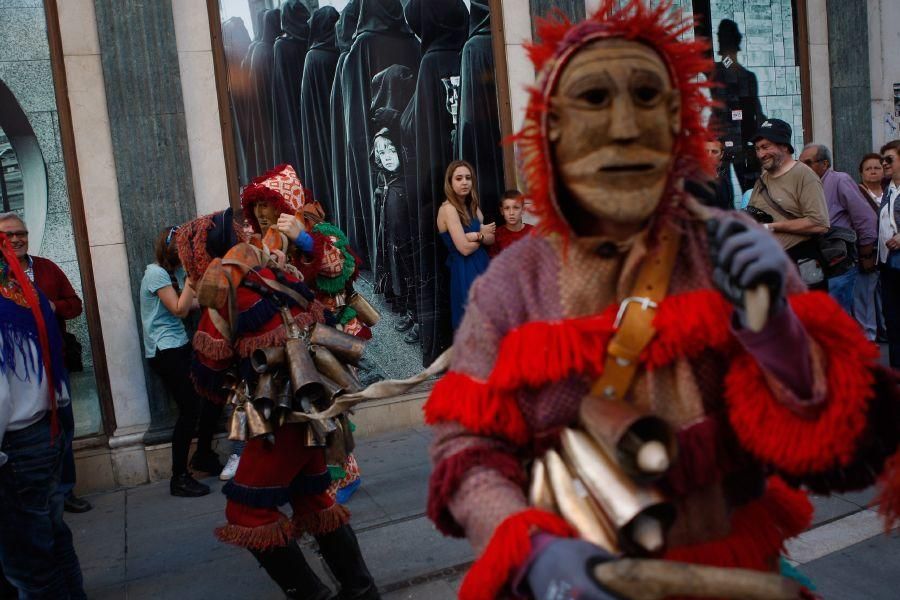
point(744, 257)
point(562, 571)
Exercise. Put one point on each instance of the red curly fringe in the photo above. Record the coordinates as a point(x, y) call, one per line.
point(508, 549)
point(321, 521)
point(272, 535)
point(658, 27)
point(758, 532)
point(773, 432)
point(477, 406)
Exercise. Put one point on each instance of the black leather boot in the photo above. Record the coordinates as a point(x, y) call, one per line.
point(288, 568)
point(343, 556)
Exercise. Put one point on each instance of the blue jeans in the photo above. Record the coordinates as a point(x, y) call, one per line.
point(841, 289)
point(36, 549)
point(890, 306)
point(67, 426)
point(867, 303)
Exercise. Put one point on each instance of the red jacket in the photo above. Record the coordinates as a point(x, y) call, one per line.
point(51, 280)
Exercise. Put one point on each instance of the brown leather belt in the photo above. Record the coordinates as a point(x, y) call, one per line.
point(634, 321)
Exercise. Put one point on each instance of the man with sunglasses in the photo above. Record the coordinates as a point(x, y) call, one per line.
point(66, 305)
point(889, 249)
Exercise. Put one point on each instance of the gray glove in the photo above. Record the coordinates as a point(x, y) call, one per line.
point(744, 257)
point(562, 571)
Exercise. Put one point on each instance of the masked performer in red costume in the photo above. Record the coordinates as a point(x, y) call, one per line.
point(626, 297)
point(283, 468)
point(277, 202)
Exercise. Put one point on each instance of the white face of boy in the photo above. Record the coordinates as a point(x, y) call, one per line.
point(512, 212)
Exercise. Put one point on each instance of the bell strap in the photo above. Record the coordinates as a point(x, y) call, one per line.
point(634, 322)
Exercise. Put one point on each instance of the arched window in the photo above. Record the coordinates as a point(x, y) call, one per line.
point(23, 183)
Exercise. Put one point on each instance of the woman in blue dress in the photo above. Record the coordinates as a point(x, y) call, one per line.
point(459, 223)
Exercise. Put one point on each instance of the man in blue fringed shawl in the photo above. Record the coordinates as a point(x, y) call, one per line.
point(36, 550)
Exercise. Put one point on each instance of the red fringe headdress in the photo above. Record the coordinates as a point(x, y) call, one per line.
point(659, 28)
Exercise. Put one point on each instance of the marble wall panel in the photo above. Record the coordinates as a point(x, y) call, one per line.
point(44, 126)
point(142, 81)
point(850, 84)
point(31, 82)
point(17, 41)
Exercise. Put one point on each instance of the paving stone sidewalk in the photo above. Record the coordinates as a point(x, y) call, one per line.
point(141, 543)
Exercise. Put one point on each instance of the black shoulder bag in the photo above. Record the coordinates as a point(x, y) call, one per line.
point(834, 250)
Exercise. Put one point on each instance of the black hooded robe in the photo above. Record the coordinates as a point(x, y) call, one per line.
point(382, 39)
point(345, 30)
point(478, 138)
point(315, 110)
point(443, 27)
point(394, 273)
point(236, 43)
point(262, 63)
point(290, 54)
point(244, 102)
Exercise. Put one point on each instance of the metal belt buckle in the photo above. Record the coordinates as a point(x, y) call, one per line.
point(646, 303)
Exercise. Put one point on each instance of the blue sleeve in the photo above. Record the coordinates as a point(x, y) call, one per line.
point(304, 241)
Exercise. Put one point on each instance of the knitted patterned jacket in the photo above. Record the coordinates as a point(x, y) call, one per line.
point(534, 338)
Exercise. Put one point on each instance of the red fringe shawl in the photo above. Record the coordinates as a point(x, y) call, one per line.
point(508, 549)
point(778, 436)
point(758, 532)
point(687, 324)
point(449, 473)
point(476, 406)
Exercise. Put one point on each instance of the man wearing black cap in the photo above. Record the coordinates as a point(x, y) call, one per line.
point(791, 193)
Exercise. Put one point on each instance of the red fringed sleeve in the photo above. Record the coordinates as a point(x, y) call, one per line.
point(791, 442)
point(476, 406)
point(508, 549)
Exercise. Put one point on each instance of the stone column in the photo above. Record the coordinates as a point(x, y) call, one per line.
point(848, 51)
point(142, 83)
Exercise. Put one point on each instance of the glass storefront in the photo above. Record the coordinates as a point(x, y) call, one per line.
point(33, 178)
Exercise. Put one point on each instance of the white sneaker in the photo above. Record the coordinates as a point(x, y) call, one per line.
point(230, 467)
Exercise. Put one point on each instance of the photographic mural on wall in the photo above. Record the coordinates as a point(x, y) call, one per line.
point(332, 86)
point(369, 101)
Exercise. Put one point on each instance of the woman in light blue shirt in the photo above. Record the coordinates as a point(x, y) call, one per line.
point(166, 298)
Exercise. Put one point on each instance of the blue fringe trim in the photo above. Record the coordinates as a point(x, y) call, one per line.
point(302, 289)
point(207, 382)
point(257, 497)
point(311, 485)
point(255, 317)
point(271, 497)
point(18, 331)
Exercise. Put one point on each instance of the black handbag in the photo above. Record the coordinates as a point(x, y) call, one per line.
point(72, 352)
point(835, 249)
